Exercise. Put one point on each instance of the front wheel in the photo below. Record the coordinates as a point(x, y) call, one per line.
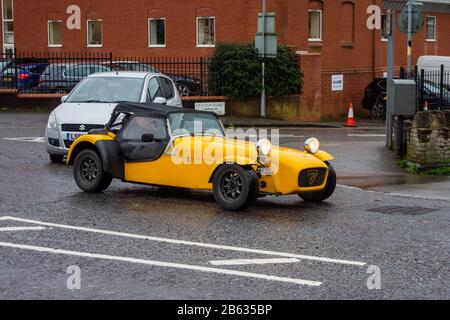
point(88, 172)
point(322, 195)
point(235, 188)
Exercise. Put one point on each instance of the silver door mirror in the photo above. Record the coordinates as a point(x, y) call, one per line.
point(160, 100)
point(64, 98)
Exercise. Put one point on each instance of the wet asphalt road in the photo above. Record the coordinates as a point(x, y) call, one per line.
point(411, 249)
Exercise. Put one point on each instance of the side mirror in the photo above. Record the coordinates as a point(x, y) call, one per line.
point(64, 98)
point(148, 137)
point(160, 100)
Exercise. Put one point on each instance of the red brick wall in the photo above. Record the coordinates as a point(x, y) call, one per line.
point(125, 34)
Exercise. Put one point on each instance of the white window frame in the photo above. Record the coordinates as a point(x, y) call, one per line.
point(321, 25)
point(165, 34)
point(3, 25)
point(48, 34)
point(197, 34)
point(435, 29)
point(87, 34)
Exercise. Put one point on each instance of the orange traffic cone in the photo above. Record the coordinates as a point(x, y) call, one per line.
point(351, 118)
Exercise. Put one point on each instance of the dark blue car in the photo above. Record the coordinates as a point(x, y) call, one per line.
point(24, 76)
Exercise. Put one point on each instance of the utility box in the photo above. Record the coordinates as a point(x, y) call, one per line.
point(401, 97)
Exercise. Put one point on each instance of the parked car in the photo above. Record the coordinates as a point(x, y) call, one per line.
point(91, 102)
point(187, 86)
point(22, 76)
point(148, 148)
point(63, 77)
point(375, 98)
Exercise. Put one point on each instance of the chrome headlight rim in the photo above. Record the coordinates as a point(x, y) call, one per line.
point(264, 147)
point(312, 145)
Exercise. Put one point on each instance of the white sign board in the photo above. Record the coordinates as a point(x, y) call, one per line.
point(216, 107)
point(337, 82)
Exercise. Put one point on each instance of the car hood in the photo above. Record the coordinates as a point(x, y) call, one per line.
point(84, 113)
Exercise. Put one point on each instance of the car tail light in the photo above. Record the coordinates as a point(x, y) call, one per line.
point(23, 76)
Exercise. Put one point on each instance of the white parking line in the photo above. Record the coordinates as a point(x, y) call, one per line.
point(366, 135)
point(22, 228)
point(238, 262)
point(190, 243)
point(161, 264)
point(27, 139)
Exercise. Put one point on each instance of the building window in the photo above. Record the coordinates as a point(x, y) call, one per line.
point(157, 32)
point(54, 33)
point(8, 22)
point(347, 22)
point(383, 27)
point(94, 33)
point(206, 32)
point(431, 28)
point(315, 25)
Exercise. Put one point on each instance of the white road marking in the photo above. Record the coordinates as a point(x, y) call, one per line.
point(190, 243)
point(237, 262)
point(22, 228)
point(161, 264)
point(27, 139)
point(366, 135)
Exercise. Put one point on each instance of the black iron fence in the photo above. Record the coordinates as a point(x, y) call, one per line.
point(60, 72)
point(433, 88)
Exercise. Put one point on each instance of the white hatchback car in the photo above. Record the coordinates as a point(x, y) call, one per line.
point(90, 104)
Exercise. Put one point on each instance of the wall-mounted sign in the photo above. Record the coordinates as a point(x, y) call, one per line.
point(337, 82)
point(216, 107)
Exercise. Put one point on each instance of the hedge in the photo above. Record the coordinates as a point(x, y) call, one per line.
point(235, 72)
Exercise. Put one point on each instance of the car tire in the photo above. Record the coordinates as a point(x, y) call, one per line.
point(88, 172)
point(183, 89)
point(61, 91)
point(56, 158)
point(322, 195)
point(378, 110)
point(235, 188)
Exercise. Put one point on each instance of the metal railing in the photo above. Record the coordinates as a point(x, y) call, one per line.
point(433, 88)
point(35, 72)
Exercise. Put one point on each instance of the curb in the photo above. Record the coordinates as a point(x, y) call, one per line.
point(279, 125)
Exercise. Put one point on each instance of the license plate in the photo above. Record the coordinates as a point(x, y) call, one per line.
point(73, 136)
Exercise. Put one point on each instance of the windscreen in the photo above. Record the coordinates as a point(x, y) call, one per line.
point(108, 90)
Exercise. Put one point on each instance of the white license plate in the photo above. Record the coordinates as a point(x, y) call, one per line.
point(74, 136)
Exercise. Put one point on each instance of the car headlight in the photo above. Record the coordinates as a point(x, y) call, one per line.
point(312, 145)
point(264, 146)
point(52, 123)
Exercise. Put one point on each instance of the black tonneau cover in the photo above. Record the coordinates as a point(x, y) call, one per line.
point(149, 109)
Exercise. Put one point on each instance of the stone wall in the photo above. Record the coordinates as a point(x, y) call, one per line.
point(428, 138)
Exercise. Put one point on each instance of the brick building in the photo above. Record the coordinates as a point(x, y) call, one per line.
point(330, 35)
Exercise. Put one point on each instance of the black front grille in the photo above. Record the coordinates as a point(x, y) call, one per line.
point(313, 177)
point(79, 127)
point(68, 143)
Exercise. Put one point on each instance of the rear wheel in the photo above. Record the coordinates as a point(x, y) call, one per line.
point(183, 89)
point(88, 172)
point(319, 196)
point(235, 188)
point(379, 110)
point(56, 158)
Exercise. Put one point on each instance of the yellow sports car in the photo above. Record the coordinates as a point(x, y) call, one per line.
point(166, 146)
